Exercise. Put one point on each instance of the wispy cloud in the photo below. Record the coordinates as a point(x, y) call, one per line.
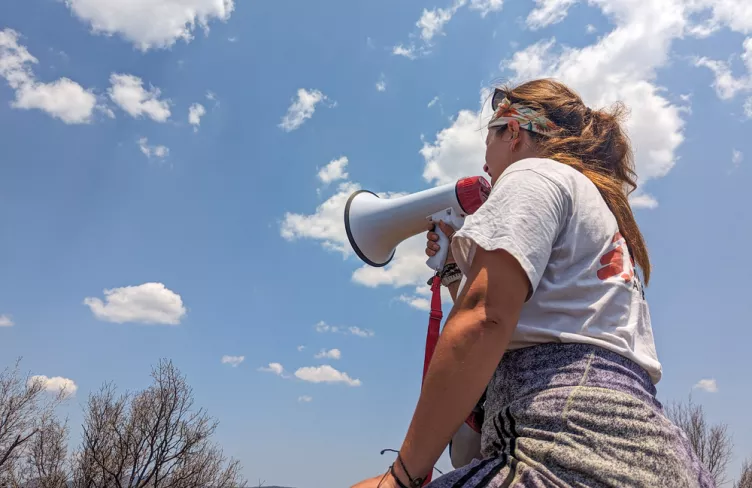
point(6, 321)
point(736, 158)
point(381, 84)
point(274, 368)
point(301, 109)
point(158, 151)
point(323, 327)
point(708, 385)
point(233, 361)
point(360, 332)
point(128, 93)
point(325, 374)
point(330, 354)
point(195, 112)
point(63, 99)
point(334, 171)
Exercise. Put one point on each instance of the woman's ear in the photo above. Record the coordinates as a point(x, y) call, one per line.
point(514, 128)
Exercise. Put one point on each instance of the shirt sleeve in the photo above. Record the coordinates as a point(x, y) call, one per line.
point(523, 215)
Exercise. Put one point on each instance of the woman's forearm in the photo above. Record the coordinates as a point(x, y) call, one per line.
point(467, 353)
point(453, 288)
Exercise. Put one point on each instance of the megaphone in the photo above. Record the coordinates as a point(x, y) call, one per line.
point(376, 226)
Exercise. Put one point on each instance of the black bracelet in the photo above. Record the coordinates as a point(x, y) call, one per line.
point(414, 482)
point(394, 475)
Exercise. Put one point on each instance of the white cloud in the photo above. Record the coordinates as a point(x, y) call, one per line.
point(149, 303)
point(433, 101)
point(6, 321)
point(748, 108)
point(590, 29)
point(457, 151)
point(159, 152)
point(330, 354)
point(726, 85)
point(233, 361)
point(408, 267)
point(305, 399)
point(736, 157)
point(357, 331)
point(381, 84)
point(736, 15)
point(274, 368)
point(63, 99)
point(708, 385)
point(128, 93)
point(616, 67)
point(322, 327)
point(151, 24)
point(301, 109)
point(421, 298)
point(643, 201)
point(325, 374)
point(57, 385)
point(421, 303)
point(432, 22)
point(300, 348)
point(486, 6)
point(548, 12)
point(335, 170)
point(325, 224)
point(407, 52)
point(195, 112)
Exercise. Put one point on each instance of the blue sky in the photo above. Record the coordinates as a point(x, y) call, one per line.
point(220, 235)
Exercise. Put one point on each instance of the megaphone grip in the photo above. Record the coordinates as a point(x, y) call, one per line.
point(436, 262)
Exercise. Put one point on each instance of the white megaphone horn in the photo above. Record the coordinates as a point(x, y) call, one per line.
point(376, 226)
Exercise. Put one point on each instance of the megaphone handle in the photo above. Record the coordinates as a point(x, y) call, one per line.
point(436, 262)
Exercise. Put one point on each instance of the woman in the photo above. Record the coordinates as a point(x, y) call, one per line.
point(550, 319)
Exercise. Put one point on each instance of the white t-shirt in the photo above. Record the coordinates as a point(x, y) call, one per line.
point(553, 220)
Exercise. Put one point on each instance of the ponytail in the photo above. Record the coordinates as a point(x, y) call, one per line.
point(594, 143)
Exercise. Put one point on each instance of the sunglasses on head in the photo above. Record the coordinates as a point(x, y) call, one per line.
point(498, 96)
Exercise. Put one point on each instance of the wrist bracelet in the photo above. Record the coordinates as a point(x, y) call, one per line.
point(414, 482)
point(448, 274)
point(396, 478)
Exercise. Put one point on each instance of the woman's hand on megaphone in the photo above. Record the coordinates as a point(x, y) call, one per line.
point(432, 246)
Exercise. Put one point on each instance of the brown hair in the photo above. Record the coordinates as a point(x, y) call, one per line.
point(593, 143)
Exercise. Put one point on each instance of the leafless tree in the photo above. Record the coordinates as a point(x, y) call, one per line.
point(25, 410)
point(151, 439)
point(745, 478)
point(45, 460)
point(712, 443)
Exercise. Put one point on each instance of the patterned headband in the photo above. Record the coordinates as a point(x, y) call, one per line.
point(527, 118)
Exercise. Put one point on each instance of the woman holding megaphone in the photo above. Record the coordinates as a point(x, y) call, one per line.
point(550, 322)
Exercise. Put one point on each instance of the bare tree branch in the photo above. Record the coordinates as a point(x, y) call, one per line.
point(24, 411)
point(745, 478)
point(154, 438)
point(713, 444)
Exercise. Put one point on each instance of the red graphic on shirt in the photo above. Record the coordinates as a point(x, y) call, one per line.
point(617, 261)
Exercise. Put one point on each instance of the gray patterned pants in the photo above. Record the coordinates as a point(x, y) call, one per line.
point(575, 415)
